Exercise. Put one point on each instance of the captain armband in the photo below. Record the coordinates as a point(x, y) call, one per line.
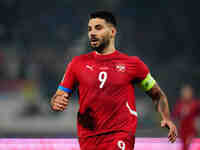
point(147, 83)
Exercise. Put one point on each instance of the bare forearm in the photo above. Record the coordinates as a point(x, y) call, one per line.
point(162, 107)
point(160, 102)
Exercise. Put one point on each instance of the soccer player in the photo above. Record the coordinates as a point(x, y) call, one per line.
point(186, 110)
point(105, 78)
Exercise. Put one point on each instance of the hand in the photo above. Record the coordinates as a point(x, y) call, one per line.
point(172, 129)
point(59, 102)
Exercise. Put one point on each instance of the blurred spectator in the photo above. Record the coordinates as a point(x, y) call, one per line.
point(186, 111)
point(32, 106)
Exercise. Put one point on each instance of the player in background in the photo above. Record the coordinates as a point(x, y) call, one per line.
point(186, 110)
point(105, 79)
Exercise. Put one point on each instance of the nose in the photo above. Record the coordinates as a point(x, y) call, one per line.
point(93, 33)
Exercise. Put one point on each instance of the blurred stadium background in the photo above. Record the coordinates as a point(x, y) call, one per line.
point(38, 39)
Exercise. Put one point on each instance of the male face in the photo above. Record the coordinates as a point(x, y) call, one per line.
point(99, 33)
point(187, 93)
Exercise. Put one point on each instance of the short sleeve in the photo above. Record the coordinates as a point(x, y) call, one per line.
point(69, 79)
point(141, 69)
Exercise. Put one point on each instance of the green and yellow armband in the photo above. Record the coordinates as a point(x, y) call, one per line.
point(147, 83)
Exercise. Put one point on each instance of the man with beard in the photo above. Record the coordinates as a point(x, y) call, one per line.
point(105, 78)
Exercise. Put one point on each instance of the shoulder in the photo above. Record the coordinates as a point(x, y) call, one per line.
point(137, 63)
point(128, 57)
point(136, 59)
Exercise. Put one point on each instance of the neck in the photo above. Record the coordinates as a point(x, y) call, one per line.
point(108, 50)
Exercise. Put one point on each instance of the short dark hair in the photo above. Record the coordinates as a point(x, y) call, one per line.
point(106, 15)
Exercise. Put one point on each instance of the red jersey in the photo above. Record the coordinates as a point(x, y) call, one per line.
point(106, 91)
point(187, 112)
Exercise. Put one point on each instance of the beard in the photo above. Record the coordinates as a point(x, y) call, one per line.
point(101, 46)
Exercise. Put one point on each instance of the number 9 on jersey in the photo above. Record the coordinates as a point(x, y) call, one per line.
point(102, 78)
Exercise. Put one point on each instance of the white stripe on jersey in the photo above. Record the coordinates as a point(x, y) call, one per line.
point(130, 110)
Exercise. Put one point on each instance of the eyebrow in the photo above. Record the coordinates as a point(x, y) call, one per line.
point(95, 25)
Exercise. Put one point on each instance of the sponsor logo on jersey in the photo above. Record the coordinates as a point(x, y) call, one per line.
point(90, 67)
point(121, 67)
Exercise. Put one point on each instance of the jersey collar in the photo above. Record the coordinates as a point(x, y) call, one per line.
point(111, 55)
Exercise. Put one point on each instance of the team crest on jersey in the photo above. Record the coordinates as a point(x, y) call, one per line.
point(121, 67)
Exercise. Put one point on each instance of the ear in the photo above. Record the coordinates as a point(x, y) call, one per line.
point(114, 31)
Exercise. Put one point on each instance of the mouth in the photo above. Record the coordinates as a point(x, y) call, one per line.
point(94, 41)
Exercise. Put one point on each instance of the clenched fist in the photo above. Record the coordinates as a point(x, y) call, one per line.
point(59, 102)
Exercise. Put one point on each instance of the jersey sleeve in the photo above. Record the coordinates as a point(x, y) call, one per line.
point(142, 70)
point(69, 79)
point(143, 77)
